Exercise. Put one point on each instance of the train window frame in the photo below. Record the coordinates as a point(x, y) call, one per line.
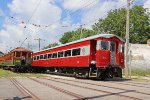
point(62, 55)
point(41, 56)
point(18, 53)
point(34, 58)
point(29, 54)
point(45, 56)
point(54, 56)
point(79, 52)
point(66, 54)
point(112, 46)
point(38, 57)
point(49, 56)
point(122, 48)
point(104, 46)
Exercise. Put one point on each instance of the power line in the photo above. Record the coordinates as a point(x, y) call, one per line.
point(88, 23)
point(70, 14)
point(39, 40)
point(33, 13)
point(30, 19)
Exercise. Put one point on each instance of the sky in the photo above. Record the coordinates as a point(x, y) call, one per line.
point(24, 21)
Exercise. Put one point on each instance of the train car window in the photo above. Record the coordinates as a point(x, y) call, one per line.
point(122, 48)
point(49, 55)
point(34, 58)
point(76, 52)
point(29, 55)
point(45, 56)
point(112, 47)
point(17, 54)
point(54, 55)
point(67, 53)
point(38, 57)
point(104, 45)
point(41, 56)
point(60, 54)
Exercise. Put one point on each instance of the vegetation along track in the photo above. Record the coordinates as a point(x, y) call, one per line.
point(135, 91)
point(23, 90)
point(79, 97)
point(97, 90)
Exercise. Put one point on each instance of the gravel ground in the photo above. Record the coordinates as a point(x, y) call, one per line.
point(8, 91)
point(136, 89)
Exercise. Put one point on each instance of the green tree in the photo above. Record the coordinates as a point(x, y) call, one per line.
point(66, 37)
point(115, 23)
point(51, 45)
point(75, 35)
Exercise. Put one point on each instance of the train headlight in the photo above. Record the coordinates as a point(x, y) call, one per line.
point(93, 62)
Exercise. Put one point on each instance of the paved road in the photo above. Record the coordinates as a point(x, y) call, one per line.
point(68, 88)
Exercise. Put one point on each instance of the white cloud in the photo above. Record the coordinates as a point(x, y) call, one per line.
point(100, 10)
point(147, 5)
point(46, 14)
point(78, 4)
point(49, 13)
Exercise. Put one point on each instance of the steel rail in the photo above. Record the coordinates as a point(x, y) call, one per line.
point(79, 97)
point(23, 90)
point(135, 91)
point(97, 90)
point(131, 84)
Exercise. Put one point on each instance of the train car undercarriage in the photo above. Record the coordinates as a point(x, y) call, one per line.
point(89, 72)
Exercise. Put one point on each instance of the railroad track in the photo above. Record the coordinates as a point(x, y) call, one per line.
point(79, 97)
point(135, 91)
point(138, 83)
point(23, 90)
point(131, 84)
point(97, 90)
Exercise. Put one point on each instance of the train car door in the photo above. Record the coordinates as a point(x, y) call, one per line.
point(93, 49)
point(24, 56)
point(112, 53)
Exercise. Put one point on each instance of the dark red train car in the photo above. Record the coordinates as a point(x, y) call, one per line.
point(18, 59)
point(100, 55)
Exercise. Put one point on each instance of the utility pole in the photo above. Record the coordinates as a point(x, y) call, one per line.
point(28, 45)
point(39, 39)
point(127, 42)
point(81, 31)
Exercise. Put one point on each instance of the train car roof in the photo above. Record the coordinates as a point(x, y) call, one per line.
point(21, 49)
point(85, 39)
point(17, 49)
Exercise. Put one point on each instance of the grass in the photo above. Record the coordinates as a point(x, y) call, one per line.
point(140, 72)
point(6, 73)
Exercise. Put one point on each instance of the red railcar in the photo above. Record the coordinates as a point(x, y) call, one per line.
point(18, 59)
point(100, 55)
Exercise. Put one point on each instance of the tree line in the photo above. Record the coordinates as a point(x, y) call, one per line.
point(115, 23)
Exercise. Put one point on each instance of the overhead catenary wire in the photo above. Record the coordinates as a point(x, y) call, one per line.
point(30, 19)
point(70, 14)
point(73, 13)
point(33, 13)
point(85, 24)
